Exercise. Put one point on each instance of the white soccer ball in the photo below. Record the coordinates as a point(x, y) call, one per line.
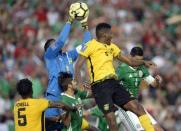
point(80, 10)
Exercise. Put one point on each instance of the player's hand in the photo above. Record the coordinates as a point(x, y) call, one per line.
point(82, 87)
point(67, 119)
point(61, 117)
point(87, 85)
point(158, 79)
point(76, 107)
point(84, 22)
point(157, 127)
point(150, 64)
point(71, 14)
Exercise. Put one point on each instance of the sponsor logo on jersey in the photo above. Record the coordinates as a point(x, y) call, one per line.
point(83, 48)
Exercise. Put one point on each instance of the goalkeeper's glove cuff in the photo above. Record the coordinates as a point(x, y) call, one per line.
point(70, 20)
point(84, 23)
point(84, 26)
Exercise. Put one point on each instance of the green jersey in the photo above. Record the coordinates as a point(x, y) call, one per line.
point(131, 77)
point(76, 117)
point(102, 123)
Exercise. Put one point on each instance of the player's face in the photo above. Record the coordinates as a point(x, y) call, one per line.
point(108, 36)
point(74, 85)
point(137, 58)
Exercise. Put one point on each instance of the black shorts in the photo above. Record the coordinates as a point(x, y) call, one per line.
point(110, 92)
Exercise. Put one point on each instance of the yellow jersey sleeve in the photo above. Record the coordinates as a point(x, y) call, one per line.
point(87, 49)
point(116, 50)
point(43, 104)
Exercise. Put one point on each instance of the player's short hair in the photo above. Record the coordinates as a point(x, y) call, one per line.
point(24, 87)
point(102, 27)
point(136, 51)
point(64, 79)
point(48, 43)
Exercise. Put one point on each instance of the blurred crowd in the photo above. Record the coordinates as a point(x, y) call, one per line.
point(26, 24)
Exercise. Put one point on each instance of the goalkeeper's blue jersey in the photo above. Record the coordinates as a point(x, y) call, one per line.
point(57, 61)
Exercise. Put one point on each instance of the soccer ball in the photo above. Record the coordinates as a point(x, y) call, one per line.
point(80, 10)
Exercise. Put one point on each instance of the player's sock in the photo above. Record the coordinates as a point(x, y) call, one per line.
point(146, 123)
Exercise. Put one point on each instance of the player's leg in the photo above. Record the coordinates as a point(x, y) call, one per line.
point(103, 96)
point(135, 120)
point(156, 125)
point(50, 113)
point(111, 120)
point(122, 98)
point(137, 108)
point(124, 121)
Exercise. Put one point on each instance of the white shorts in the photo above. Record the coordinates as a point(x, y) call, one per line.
point(130, 120)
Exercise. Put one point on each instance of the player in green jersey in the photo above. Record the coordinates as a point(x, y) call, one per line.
point(72, 96)
point(131, 77)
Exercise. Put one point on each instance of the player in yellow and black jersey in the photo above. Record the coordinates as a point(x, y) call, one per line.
point(29, 112)
point(107, 90)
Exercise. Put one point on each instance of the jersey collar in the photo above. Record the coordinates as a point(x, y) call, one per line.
point(65, 94)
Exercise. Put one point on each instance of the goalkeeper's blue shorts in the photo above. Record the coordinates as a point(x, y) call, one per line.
point(52, 112)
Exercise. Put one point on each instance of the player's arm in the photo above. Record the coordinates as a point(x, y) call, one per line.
point(55, 104)
point(84, 94)
point(54, 48)
point(134, 62)
point(155, 82)
point(65, 117)
point(85, 52)
point(95, 111)
point(78, 66)
point(86, 37)
point(89, 93)
point(75, 52)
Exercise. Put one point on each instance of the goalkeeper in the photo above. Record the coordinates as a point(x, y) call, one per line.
point(131, 79)
point(57, 61)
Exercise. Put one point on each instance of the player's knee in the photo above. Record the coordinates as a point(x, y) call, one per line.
point(157, 127)
point(135, 107)
point(110, 117)
point(140, 110)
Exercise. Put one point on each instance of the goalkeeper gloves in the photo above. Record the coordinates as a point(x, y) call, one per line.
point(84, 22)
point(71, 16)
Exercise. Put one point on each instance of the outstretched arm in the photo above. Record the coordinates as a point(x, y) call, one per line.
point(65, 117)
point(155, 82)
point(54, 48)
point(54, 104)
point(75, 52)
point(134, 62)
point(78, 65)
